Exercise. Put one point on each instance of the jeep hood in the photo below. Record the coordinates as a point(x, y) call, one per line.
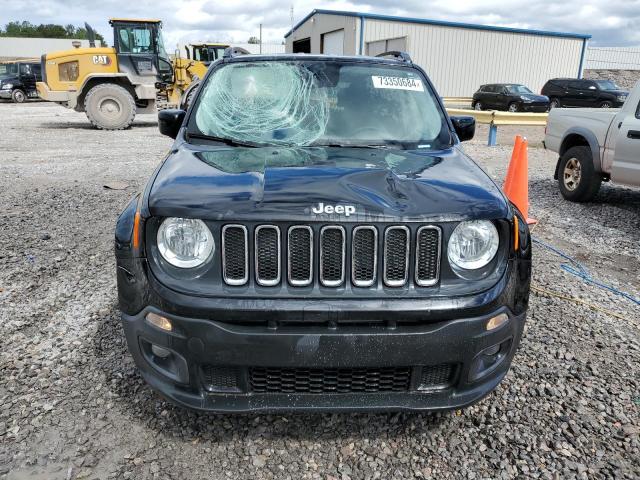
point(284, 184)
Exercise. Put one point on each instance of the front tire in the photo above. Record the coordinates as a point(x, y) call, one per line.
point(577, 179)
point(513, 107)
point(478, 106)
point(554, 103)
point(606, 104)
point(19, 96)
point(110, 107)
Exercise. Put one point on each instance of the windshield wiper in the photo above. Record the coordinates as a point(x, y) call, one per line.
point(350, 145)
point(226, 141)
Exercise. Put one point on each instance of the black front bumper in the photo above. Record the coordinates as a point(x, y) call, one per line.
point(535, 108)
point(198, 344)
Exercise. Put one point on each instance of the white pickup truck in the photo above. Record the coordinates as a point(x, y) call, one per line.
point(595, 145)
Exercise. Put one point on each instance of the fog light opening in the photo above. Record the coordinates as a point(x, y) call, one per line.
point(497, 321)
point(159, 321)
point(160, 352)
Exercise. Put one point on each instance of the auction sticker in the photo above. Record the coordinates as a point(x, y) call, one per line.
point(397, 83)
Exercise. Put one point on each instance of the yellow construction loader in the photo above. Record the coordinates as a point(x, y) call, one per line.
point(111, 85)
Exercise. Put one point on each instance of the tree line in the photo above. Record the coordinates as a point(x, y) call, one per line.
point(49, 30)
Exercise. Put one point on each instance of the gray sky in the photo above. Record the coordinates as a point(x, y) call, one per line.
point(611, 22)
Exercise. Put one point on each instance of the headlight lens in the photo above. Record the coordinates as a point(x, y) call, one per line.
point(473, 244)
point(6, 86)
point(185, 242)
point(622, 98)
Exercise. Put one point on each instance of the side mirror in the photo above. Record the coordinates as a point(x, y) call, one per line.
point(465, 127)
point(170, 121)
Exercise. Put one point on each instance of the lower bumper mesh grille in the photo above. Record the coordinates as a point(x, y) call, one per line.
point(329, 380)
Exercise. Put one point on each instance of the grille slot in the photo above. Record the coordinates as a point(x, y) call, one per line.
point(332, 253)
point(300, 256)
point(220, 379)
point(396, 256)
point(267, 255)
point(329, 380)
point(436, 376)
point(235, 254)
point(364, 256)
point(428, 252)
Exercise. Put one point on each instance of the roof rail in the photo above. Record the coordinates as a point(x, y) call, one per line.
point(404, 56)
point(231, 52)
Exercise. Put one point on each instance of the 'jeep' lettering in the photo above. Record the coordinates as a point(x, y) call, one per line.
point(347, 210)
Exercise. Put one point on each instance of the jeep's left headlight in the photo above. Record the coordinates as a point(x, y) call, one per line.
point(6, 86)
point(473, 244)
point(185, 242)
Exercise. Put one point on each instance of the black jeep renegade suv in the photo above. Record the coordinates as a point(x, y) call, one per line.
point(317, 239)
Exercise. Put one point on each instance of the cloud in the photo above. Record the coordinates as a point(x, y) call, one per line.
point(611, 22)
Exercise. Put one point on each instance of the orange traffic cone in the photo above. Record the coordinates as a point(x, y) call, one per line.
point(516, 185)
point(514, 160)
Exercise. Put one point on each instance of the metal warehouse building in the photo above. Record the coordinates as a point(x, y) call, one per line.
point(458, 57)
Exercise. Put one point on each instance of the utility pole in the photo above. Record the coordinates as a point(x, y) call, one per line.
point(291, 16)
point(260, 38)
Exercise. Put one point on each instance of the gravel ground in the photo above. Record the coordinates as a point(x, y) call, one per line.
point(73, 406)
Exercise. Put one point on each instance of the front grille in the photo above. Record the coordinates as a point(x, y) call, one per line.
point(396, 256)
point(267, 255)
point(333, 251)
point(364, 256)
point(235, 254)
point(329, 380)
point(300, 256)
point(427, 256)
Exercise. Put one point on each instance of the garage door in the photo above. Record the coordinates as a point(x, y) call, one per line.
point(333, 43)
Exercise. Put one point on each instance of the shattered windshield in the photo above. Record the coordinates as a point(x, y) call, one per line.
point(317, 103)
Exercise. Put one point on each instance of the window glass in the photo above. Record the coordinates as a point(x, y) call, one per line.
point(518, 89)
point(577, 85)
point(607, 85)
point(25, 69)
point(135, 39)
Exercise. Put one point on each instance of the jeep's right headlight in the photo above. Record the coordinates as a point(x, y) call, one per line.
point(6, 86)
point(473, 244)
point(185, 242)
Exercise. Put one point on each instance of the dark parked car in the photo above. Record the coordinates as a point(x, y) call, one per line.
point(510, 97)
point(316, 239)
point(18, 80)
point(572, 92)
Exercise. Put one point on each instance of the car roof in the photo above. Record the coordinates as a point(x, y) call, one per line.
point(283, 57)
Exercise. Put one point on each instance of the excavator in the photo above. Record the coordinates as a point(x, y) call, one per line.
point(136, 75)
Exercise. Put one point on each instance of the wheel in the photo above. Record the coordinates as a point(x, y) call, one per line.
point(554, 103)
point(605, 104)
point(478, 106)
point(188, 96)
point(577, 178)
point(110, 107)
point(514, 107)
point(19, 96)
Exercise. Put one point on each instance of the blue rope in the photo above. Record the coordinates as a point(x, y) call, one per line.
point(577, 269)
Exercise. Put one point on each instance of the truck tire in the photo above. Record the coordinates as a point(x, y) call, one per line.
point(19, 96)
point(577, 178)
point(514, 107)
point(606, 104)
point(110, 107)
